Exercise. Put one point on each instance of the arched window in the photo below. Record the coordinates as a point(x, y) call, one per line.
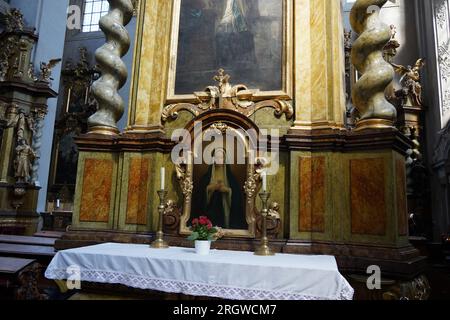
point(93, 11)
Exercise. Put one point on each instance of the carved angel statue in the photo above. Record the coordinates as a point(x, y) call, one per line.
point(46, 69)
point(410, 81)
point(23, 161)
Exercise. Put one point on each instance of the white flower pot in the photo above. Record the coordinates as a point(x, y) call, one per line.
point(202, 247)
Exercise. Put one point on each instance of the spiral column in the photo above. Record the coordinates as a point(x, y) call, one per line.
point(36, 146)
point(376, 74)
point(113, 69)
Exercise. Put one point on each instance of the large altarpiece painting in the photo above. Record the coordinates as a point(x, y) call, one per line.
point(246, 38)
point(245, 46)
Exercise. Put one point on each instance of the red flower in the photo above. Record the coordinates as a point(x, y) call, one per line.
point(203, 220)
point(209, 226)
point(195, 221)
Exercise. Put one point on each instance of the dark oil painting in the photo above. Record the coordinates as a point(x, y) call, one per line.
point(244, 37)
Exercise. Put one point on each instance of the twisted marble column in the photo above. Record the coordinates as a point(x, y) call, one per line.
point(36, 146)
point(376, 74)
point(114, 71)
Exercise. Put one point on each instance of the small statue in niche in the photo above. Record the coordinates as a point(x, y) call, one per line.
point(46, 70)
point(23, 161)
point(220, 197)
point(20, 121)
point(410, 81)
point(31, 74)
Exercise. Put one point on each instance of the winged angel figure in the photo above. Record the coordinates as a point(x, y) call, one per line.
point(410, 81)
point(46, 69)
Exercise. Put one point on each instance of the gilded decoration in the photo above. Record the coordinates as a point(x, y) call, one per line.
point(249, 42)
point(226, 96)
point(189, 174)
point(410, 82)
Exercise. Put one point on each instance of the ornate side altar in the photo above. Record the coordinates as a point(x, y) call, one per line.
point(335, 191)
point(23, 106)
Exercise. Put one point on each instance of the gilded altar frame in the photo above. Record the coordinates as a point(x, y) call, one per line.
point(223, 123)
point(286, 93)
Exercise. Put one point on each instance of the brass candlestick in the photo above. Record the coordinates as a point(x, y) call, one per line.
point(159, 243)
point(264, 249)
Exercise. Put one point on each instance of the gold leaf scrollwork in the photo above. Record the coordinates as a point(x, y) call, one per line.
point(254, 178)
point(184, 177)
point(226, 96)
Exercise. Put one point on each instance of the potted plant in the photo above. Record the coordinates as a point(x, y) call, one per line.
point(203, 233)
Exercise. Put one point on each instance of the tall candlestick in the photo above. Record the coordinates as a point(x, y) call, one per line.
point(163, 178)
point(264, 179)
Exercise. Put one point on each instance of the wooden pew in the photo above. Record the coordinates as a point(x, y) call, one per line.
point(43, 254)
point(19, 279)
point(37, 241)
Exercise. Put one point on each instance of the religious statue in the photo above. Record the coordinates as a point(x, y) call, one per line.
point(220, 195)
point(31, 74)
point(410, 81)
point(20, 121)
point(23, 161)
point(46, 69)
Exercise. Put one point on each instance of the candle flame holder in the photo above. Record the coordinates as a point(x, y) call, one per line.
point(264, 248)
point(159, 243)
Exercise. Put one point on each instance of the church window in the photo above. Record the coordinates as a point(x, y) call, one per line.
point(93, 11)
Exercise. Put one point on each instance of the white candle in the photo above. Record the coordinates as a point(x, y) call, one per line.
point(264, 178)
point(163, 178)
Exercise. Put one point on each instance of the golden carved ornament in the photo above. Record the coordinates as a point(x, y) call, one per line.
point(254, 178)
point(230, 97)
point(184, 177)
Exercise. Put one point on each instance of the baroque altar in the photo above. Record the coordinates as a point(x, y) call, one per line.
point(335, 191)
point(23, 106)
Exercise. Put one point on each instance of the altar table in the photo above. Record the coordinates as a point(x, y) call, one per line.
point(222, 274)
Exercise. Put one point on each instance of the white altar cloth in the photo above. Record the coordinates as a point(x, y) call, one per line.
point(222, 274)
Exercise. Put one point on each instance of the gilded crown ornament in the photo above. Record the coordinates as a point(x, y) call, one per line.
point(229, 97)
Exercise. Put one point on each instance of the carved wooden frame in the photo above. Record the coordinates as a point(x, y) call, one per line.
point(286, 93)
point(220, 121)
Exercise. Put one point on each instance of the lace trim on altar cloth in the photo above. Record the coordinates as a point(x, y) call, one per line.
point(194, 289)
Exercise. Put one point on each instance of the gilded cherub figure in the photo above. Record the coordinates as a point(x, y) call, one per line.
point(410, 81)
